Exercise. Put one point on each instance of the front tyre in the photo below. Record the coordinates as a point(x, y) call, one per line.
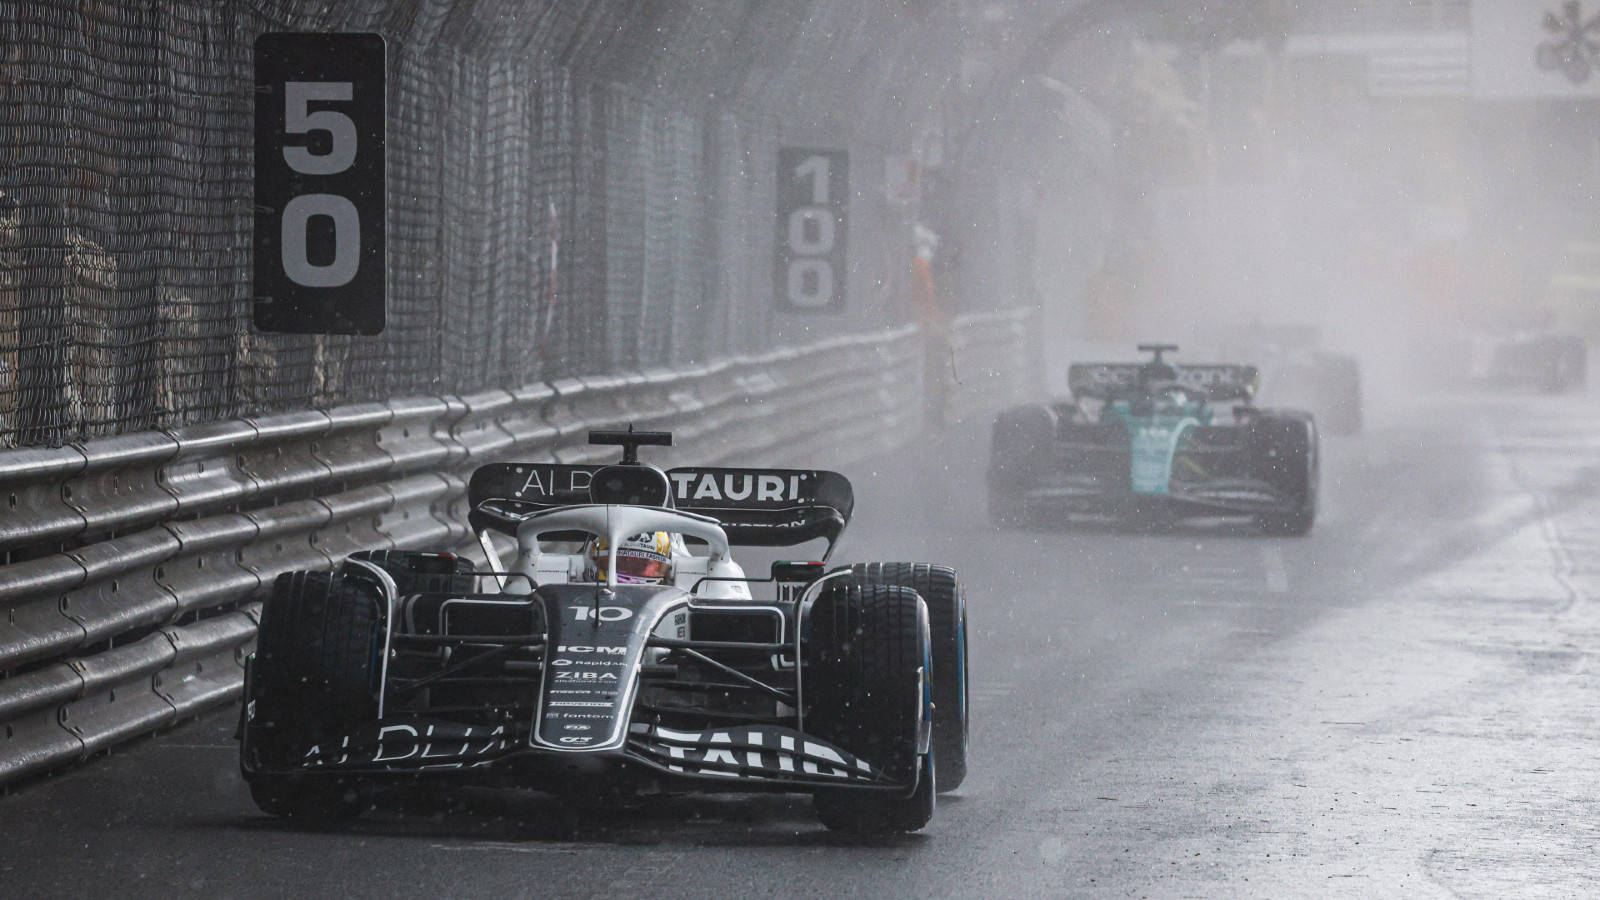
point(865, 684)
point(311, 677)
point(1285, 450)
point(940, 589)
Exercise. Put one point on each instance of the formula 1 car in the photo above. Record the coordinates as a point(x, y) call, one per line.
point(849, 684)
point(1298, 372)
point(1152, 441)
point(1547, 361)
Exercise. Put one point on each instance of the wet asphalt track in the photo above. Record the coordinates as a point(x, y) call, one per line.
point(1401, 704)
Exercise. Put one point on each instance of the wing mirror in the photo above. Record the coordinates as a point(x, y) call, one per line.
point(796, 572)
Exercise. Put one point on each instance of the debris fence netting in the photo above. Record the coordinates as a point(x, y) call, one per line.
point(574, 188)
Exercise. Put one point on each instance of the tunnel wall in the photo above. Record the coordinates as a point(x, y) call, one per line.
point(640, 140)
point(161, 463)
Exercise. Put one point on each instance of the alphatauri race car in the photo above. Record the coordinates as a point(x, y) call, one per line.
point(621, 653)
point(1151, 441)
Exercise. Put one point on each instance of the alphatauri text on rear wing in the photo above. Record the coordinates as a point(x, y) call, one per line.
point(756, 507)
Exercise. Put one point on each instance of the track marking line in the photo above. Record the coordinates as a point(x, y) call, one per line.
point(1277, 574)
point(992, 691)
point(502, 847)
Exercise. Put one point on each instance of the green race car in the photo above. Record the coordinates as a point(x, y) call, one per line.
point(1152, 441)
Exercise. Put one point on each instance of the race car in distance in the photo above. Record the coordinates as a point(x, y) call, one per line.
point(1152, 441)
point(561, 672)
point(1544, 360)
point(1296, 371)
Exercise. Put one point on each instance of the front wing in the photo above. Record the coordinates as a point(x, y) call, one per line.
point(745, 758)
point(581, 712)
point(1212, 473)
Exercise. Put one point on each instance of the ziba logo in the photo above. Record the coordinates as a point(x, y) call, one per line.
point(570, 675)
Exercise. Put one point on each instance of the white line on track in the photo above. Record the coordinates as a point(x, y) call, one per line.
point(1277, 574)
point(503, 847)
point(992, 691)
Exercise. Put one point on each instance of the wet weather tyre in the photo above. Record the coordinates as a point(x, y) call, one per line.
point(1287, 458)
point(940, 589)
point(868, 647)
point(416, 571)
point(1341, 412)
point(310, 677)
point(1018, 448)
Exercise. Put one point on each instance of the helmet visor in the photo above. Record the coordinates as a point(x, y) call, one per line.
point(630, 566)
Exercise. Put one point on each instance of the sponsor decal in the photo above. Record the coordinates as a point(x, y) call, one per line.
point(569, 675)
point(430, 745)
point(736, 486)
point(768, 749)
point(614, 651)
point(545, 482)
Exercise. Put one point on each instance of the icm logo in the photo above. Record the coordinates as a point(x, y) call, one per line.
point(614, 651)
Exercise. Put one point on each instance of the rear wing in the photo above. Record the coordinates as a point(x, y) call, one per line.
point(1105, 381)
point(756, 507)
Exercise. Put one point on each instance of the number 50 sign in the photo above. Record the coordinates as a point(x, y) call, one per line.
point(813, 196)
point(319, 188)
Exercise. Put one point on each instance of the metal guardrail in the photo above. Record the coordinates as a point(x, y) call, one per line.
point(994, 359)
point(132, 564)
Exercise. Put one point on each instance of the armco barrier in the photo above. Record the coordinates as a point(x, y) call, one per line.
point(994, 359)
point(133, 566)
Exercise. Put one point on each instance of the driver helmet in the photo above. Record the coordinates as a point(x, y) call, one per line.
point(1171, 394)
point(645, 558)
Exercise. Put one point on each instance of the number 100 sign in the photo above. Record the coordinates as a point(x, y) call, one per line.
point(319, 183)
point(813, 197)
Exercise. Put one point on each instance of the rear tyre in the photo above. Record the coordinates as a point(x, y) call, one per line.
point(1342, 412)
point(416, 571)
point(1286, 458)
point(310, 678)
point(865, 691)
point(940, 589)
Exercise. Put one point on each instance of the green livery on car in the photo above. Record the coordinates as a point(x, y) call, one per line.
point(1153, 440)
